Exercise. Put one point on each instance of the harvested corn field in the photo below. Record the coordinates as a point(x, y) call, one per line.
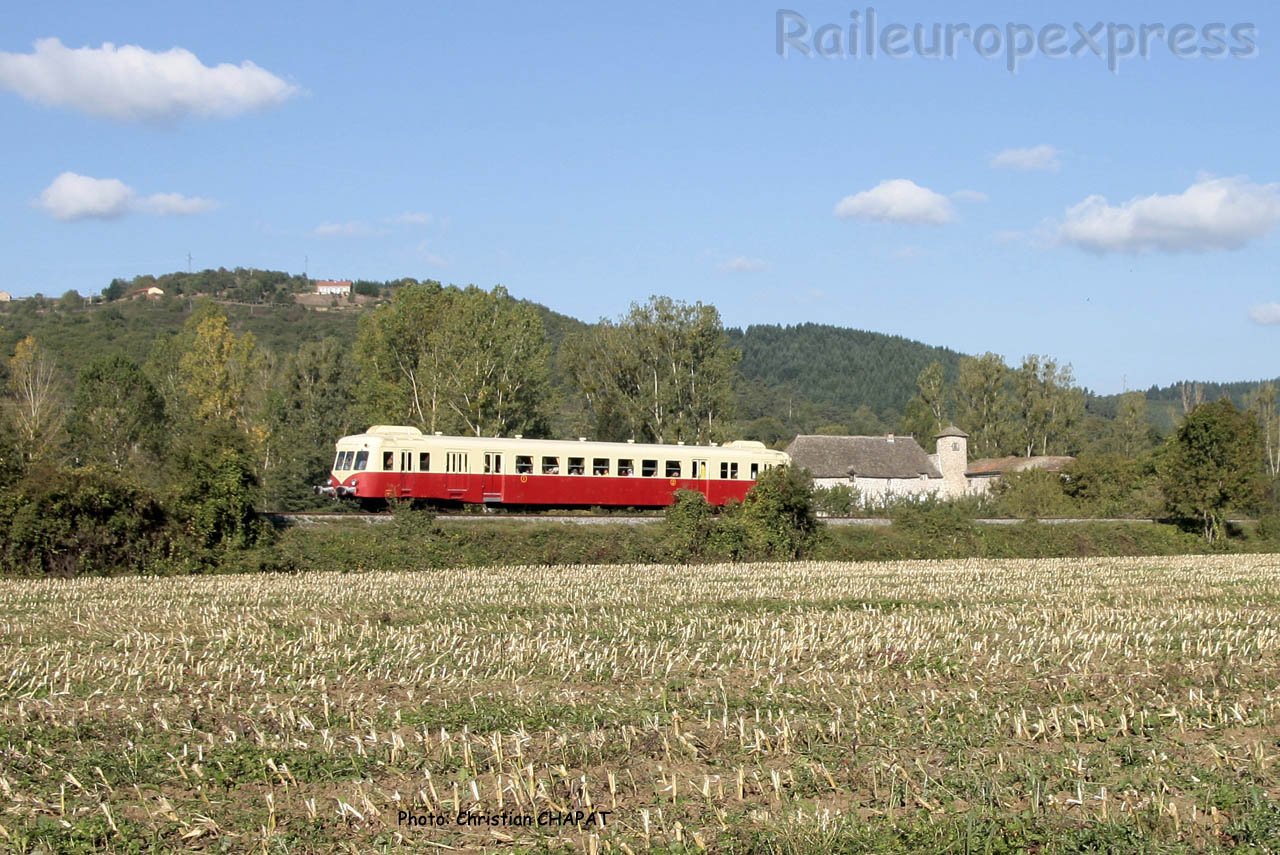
point(1060, 705)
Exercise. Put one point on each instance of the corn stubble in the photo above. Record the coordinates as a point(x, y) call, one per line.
point(713, 707)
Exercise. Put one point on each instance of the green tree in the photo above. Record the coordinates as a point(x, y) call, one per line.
point(1047, 405)
point(1212, 466)
point(216, 489)
point(310, 406)
point(1262, 403)
point(1130, 432)
point(117, 415)
point(778, 515)
point(117, 290)
point(926, 412)
point(450, 359)
point(503, 373)
point(982, 403)
point(663, 372)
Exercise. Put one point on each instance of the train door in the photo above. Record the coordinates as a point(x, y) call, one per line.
point(700, 474)
point(456, 471)
point(406, 479)
point(491, 484)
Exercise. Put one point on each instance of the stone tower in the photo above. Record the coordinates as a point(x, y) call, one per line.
point(953, 459)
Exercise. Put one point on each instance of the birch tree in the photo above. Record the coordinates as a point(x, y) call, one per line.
point(35, 399)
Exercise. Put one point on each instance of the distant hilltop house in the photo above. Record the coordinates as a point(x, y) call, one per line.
point(5, 297)
point(884, 467)
point(146, 293)
point(333, 287)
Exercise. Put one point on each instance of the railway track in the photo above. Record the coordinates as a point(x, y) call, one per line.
point(323, 517)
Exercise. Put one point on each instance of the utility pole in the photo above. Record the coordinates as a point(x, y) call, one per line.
point(188, 262)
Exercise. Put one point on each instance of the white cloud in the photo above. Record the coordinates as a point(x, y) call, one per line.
point(411, 218)
point(1212, 214)
point(743, 264)
point(352, 228)
point(1036, 157)
point(970, 196)
point(79, 197)
point(897, 201)
point(1265, 313)
point(166, 204)
point(131, 83)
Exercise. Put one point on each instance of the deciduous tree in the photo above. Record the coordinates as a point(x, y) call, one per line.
point(1212, 465)
point(454, 360)
point(662, 372)
point(36, 403)
point(117, 415)
point(982, 403)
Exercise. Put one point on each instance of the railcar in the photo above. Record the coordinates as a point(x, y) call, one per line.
point(399, 462)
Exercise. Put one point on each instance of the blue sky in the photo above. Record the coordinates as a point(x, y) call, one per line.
point(589, 155)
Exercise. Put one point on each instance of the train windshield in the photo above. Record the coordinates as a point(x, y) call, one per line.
point(362, 461)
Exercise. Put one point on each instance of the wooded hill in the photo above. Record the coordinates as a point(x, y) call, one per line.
point(791, 379)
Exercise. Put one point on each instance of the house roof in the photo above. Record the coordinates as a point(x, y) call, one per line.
point(1000, 465)
point(952, 430)
point(863, 456)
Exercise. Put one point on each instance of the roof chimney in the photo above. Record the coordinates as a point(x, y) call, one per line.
point(889, 437)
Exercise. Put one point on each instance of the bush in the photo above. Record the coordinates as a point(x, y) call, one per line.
point(1112, 485)
point(217, 493)
point(778, 518)
point(1031, 494)
point(688, 526)
point(837, 501)
point(83, 521)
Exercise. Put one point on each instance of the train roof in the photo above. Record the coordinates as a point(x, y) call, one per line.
point(408, 433)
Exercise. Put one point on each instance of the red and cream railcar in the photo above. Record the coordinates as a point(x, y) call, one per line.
point(397, 462)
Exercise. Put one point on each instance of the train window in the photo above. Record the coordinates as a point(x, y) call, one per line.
point(733, 470)
point(347, 457)
point(388, 460)
point(524, 464)
point(492, 463)
point(455, 461)
point(755, 471)
point(362, 461)
point(599, 466)
point(626, 467)
point(424, 461)
point(648, 468)
point(673, 468)
point(406, 461)
point(550, 465)
point(337, 461)
point(577, 465)
point(724, 469)
point(699, 469)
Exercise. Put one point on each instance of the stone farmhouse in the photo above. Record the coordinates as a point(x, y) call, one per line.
point(883, 467)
